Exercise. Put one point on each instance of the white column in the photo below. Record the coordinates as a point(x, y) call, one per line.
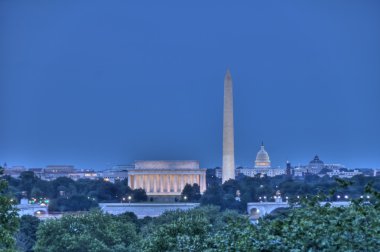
point(188, 179)
point(175, 183)
point(145, 182)
point(161, 183)
point(172, 182)
point(148, 183)
point(182, 183)
point(134, 182)
point(168, 183)
point(179, 183)
point(201, 185)
point(137, 182)
point(201, 182)
point(155, 183)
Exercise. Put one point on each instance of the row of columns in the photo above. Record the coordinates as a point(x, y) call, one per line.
point(159, 183)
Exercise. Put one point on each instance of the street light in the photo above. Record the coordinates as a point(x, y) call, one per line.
point(338, 197)
point(346, 196)
point(129, 199)
point(185, 198)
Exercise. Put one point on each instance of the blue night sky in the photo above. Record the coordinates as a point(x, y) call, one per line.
point(99, 83)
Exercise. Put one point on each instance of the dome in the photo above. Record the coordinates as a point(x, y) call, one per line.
point(316, 165)
point(262, 158)
point(316, 160)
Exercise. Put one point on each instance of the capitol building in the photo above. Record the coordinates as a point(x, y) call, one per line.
point(262, 158)
point(262, 166)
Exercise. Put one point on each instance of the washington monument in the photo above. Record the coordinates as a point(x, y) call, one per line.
point(228, 170)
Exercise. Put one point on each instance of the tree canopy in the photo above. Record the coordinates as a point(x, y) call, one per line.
point(8, 217)
point(93, 231)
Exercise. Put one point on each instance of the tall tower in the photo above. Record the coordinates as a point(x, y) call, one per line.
point(228, 169)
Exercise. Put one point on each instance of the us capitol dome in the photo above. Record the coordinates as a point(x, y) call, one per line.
point(262, 158)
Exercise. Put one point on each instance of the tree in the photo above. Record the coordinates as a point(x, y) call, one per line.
point(139, 195)
point(72, 204)
point(191, 192)
point(27, 181)
point(26, 236)
point(8, 217)
point(184, 230)
point(94, 231)
point(308, 228)
point(186, 233)
point(213, 196)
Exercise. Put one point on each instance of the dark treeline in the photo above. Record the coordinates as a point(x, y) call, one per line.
point(258, 188)
point(308, 228)
point(65, 194)
point(212, 227)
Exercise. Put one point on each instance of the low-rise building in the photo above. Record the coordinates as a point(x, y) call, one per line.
point(344, 174)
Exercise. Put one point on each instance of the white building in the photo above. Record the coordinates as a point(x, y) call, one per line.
point(166, 178)
point(262, 159)
point(113, 175)
point(344, 174)
point(270, 172)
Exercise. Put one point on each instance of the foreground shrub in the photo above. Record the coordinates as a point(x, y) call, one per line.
point(93, 231)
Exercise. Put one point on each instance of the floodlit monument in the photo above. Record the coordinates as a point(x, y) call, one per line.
point(166, 178)
point(262, 158)
point(228, 168)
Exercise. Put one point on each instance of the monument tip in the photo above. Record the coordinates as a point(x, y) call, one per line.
point(228, 73)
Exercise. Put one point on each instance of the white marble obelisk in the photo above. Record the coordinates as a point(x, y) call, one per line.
point(228, 169)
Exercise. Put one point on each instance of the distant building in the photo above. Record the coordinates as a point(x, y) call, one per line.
point(113, 175)
point(315, 165)
point(218, 172)
point(300, 170)
point(83, 174)
point(344, 174)
point(52, 172)
point(289, 172)
point(38, 172)
point(334, 166)
point(63, 169)
point(14, 171)
point(376, 172)
point(270, 172)
point(262, 158)
point(166, 178)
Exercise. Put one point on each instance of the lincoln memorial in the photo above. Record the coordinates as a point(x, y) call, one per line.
point(166, 178)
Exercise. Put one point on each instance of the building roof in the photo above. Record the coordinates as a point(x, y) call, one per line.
point(262, 156)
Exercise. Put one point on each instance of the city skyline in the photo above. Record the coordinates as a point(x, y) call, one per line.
point(110, 86)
